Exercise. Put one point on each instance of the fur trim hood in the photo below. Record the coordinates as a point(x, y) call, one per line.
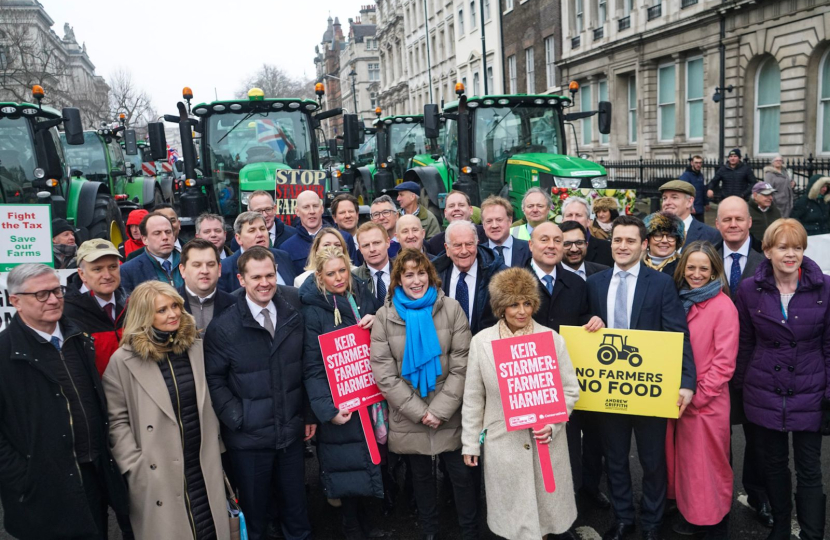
point(605, 203)
point(147, 349)
point(772, 170)
point(511, 286)
point(815, 188)
point(668, 223)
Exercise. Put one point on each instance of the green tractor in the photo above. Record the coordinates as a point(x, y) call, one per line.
point(504, 144)
point(143, 164)
point(248, 145)
point(33, 169)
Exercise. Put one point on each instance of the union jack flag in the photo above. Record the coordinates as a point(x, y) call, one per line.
point(172, 155)
point(271, 133)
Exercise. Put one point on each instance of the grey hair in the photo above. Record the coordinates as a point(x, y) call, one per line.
point(533, 190)
point(460, 225)
point(22, 273)
point(777, 156)
point(245, 218)
point(207, 216)
point(570, 200)
point(385, 199)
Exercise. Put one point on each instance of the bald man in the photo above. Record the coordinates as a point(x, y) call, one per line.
point(411, 234)
point(309, 210)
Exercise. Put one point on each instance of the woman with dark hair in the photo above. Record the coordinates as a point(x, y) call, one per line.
point(783, 368)
point(333, 299)
point(164, 433)
point(666, 234)
point(697, 443)
point(420, 342)
point(606, 210)
point(518, 506)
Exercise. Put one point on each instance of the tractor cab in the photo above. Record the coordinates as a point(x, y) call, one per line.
point(615, 347)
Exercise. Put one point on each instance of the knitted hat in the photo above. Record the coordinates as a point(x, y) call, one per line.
point(666, 222)
point(605, 203)
point(60, 226)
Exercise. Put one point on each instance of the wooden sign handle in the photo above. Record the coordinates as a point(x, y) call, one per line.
point(546, 466)
point(369, 433)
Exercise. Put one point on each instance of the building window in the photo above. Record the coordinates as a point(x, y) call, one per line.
point(435, 49)
point(632, 109)
point(665, 102)
point(374, 72)
point(373, 99)
point(441, 42)
point(602, 11)
point(4, 61)
point(580, 13)
point(767, 107)
point(585, 106)
point(476, 84)
point(508, 5)
point(371, 44)
point(486, 10)
point(628, 7)
point(452, 39)
point(531, 76)
point(550, 66)
point(473, 15)
point(460, 22)
point(824, 106)
point(490, 86)
point(602, 89)
point(694, 98)
point(511, 72)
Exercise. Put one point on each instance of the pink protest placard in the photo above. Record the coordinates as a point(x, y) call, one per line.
point(531, 389)
point(353, 386)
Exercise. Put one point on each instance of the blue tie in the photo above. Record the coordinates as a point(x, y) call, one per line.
point(167, 266)
point(500, 251)
point(462, 294)
point(548, 283)
point(381, 289)
point(735, 274)
point(54, 340)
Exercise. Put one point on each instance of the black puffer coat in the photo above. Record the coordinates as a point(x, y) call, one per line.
point(728, 181)
point(346, 469)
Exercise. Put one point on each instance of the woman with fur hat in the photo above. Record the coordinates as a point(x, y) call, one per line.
point(811, 209)
point(606, 211)
point(666, 234)
point(164, 433)
point(513, 510)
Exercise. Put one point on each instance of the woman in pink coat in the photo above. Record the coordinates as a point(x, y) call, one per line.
point(697, 444)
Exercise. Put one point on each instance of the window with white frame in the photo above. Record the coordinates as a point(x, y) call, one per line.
point(486, 10)
point(632, 109)
point(602, 95)
point(529, 71)
point(476, 84)
point(452, 39)
point(371, 44)
point(767, 107)
point(373, 99)
point(473, 14)
point(665, 102)
point(585, 106)
point(374, 72)
point(508, 5)
point(550, 59)
point(461, 22)
point(824, 106)
point(511, 72)
point(580, 14)
point(602, 9)
point(694, 98)
point(490, 87)
point(628, 7)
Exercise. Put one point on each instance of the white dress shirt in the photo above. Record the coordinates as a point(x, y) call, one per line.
point(256, 311)
point(541, 273)
point(727, 256)
point(581, 272)
point(385, 277)
point(101, 302)
point(201, 298)
point(470, 280)
point(688, 223)
point(631, 281)
point(272, 233)
point(48, 337)
point(508, 249)
point(280, 281)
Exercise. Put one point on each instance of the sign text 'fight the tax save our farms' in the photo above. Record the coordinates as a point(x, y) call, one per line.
point(25, 235)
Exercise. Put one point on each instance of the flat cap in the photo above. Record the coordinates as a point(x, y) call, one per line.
point(679, 185)
point(409, 186)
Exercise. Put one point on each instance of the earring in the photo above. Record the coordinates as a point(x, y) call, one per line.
point(712, 278)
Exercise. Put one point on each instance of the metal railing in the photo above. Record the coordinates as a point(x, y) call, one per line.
point(624, 23)
point(599, 33)
point(647, 175)
point(687, 3)
point(576, 42)
point(655, 11)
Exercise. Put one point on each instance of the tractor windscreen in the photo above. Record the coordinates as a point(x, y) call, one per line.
point(89, 157)
point(17, 160)
point(501, 132)
point(407, 140)
point(366, 152)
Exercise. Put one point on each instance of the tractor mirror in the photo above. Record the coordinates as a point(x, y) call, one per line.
point(431, 121)
point(72, 126)
point(362, 138)
point(604, 118)
point(158, 141)
point(130, 146)
point(48, 154)
point(351, 132)
point(179, 166)
point(332, 148)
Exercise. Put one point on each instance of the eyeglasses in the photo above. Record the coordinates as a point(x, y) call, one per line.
point(43, 296)
point(268, 211)
point(382, 213)
point(578, 243)
point(664, 237)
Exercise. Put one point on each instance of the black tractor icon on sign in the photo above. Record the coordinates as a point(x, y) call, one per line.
point(615, 347)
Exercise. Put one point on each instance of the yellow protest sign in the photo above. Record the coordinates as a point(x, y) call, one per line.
point(626, 371)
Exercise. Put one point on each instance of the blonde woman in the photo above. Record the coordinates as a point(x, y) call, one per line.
point(164, 433)
point(327, 237)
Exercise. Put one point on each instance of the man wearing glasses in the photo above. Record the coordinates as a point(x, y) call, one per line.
point(57, 475)
point(278, 232)
point(576, 249)
point(385, 213)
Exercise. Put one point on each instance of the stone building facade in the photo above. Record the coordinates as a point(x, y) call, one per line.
point(471, 70)
point(360, 56)
point(431, 41)
point(659, 63)
point(531, 34)
point(327, 65)
point(394, 75)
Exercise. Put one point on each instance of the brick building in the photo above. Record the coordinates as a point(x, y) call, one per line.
point(531, 37)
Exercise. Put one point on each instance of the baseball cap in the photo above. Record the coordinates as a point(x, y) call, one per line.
point(763, 188)
point(92, 250)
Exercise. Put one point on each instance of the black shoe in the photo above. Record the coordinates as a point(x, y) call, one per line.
point(618, 532)
point(652, 534)
point(597, 498)
point(719, 531)
point(764, 514)
point(685, 528)
point(670, 509)
point(811, 509)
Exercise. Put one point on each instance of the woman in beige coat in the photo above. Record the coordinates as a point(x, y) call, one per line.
point(420, 341)
point(164, 433)
point(518, 507)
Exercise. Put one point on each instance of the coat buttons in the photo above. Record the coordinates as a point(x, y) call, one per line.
point(527, 447)
point(777, 368)
point(153, 467)
point(158, 503)
point(793, 344)
point(790, 368)
point(777, 390)
point(149, 428)
point(790, 392)
point(776, 344)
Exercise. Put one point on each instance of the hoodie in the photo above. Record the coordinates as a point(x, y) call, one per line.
point(132, 244)
point(812, 208)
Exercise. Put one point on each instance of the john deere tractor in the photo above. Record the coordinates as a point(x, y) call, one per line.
point(33, 169)
point(504, 144)
point(143, 165)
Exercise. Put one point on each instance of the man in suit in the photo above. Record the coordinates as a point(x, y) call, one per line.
point(278, 232)
point(496, 217)
point(200, 268)
point(741, 256)
point(160, 260)
point(465, 271)
point(630, 295)
point(385, 213)
point(576, 209)
point(678, 197)
point(576, 248)
point(457, 207)
point(411, 234)
point(166, 210)
point(373, 243)
point(211, 227)
point(251, 231)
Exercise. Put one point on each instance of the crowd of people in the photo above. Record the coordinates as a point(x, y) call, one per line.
point(163, 372)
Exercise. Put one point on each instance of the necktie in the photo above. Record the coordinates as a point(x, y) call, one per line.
point(621, 302)
point(735, 274)
point(462, 294)
point(500, 251)
point(381, 288)
point(268, 324)
point(548, 283)
point(110, 313)
point(167, 266)
point(54, 340)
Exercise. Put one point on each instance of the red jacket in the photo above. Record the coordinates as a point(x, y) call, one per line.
point(132, 244)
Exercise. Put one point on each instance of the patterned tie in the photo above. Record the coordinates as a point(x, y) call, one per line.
point(167, 266)
point(110, 313)
point(55, 340)
point(462, 294)
point(268, 323)
point(548, 283)
point(621, 302)
point(500, 251)
point(381, 288)
point(735, 274)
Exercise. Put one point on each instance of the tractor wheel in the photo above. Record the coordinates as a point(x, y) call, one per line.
point(635, 359)
point(107, 222)
point(607, 355)
point(158, 198)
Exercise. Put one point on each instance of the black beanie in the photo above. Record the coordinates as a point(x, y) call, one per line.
point(61, 226)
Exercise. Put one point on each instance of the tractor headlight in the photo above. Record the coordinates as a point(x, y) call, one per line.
point(570, 183)
point(600, 182)
point(245, 196)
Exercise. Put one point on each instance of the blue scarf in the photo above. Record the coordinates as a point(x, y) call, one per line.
point(422, 352)
point(690, 297)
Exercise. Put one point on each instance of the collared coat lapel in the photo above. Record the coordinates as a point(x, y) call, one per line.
point(640, 291)
point(604, 285)
point(148, 375)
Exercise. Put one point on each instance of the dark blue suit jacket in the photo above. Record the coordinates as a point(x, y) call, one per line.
point(145, 268)
point(656, 306)
point(228, 281)
point(521, 252)
point(701, 231)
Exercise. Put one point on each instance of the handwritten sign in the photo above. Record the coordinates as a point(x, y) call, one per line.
point(531, 389)
point(353, 386)
point(25, 235)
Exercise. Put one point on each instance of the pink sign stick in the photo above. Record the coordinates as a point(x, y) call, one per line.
point(545, 465)
point(372, 443)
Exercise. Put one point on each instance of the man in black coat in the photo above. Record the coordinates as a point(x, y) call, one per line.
point(200, 269)
point(599, 251)
point(255, 372)
point(57, 474)
point(678, 197)
point(736, 177)
point(575, 246)
point(457, 207)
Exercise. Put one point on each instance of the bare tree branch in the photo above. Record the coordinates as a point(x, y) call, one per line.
point(276, 83)
point(127, 98)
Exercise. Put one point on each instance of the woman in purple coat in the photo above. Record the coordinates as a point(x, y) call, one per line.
point(783, 368)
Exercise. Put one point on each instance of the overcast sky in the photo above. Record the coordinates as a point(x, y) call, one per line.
point(204, 44)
